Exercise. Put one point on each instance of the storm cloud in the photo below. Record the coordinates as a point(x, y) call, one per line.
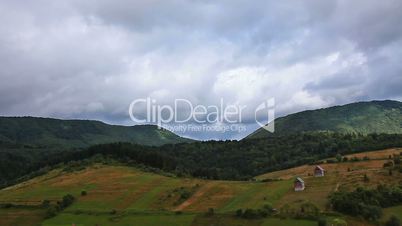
point(91, 59)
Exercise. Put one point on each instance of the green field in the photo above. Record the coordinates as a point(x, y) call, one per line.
point(66, 219)
point(392, 211)
point(168, 220)
point(122, 196)
point(123, 188)
point(141, 197)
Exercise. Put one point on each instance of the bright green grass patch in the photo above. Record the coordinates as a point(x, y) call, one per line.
point(287, 222)
point(138, 187)
point(65, 219)
point(224, 220)
point(146, 200)
point(230, 220)
point(41, 189)
point(108, 199)
point(240, 200)
point(41, 193)
point(392, 211)
point(256, 195)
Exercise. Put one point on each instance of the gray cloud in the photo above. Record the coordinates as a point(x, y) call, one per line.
point(90, 59)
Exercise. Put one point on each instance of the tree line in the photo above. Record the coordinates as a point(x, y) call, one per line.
point(227, 160)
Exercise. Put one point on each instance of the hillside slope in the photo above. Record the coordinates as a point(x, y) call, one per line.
point(362, 117)
point(47, 132)
point(120, 195)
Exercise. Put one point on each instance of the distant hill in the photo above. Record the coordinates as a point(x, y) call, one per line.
point(47, 132)
point(361, 117)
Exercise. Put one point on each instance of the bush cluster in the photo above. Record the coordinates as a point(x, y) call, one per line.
point(265, 211)
point(53, 210)
point(366, 202)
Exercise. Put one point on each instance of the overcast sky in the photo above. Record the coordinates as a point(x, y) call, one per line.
point(89, 59)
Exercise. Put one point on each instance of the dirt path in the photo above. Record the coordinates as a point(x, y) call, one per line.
point(195, 197)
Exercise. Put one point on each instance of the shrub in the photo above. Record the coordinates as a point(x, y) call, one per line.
point(239, 212)
point(83, 193)
point(51, 212)
point(45, 203)
point(268, 209)
point(338, 222)
point(355, 159)
point(185, 194)
point(67, 201)
point(251, 214)
point(8, 205)
point(330, 161)
point(338, 157)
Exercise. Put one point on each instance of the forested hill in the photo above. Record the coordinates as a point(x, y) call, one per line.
point(47, 132)
point(361, 117)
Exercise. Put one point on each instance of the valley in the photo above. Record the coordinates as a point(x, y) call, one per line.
point(118, 195)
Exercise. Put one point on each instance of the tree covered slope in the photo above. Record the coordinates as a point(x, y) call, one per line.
point(361, 117)
point(47, 132)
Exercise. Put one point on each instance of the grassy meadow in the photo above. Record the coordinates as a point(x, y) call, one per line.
point(120, 195)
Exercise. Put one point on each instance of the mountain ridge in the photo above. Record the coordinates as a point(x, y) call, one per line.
point(377, 116)
point(73, 133)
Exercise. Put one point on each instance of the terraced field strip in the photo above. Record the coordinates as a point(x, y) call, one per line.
point(151, 196)
point(67, 219)
point(21, 217)
point(145, 184)
point(287, 173)
point(317, 190)
point(231, 220)
point(242, 198)
point(383, 154)
point(113, 194)
point(195, 197)
point(288, 222)
point(271, 193)
point(377, 159)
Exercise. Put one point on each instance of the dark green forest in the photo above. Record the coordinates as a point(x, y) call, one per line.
point(227, 160)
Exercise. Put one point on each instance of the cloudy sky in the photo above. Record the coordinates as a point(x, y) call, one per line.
point(90, 59)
